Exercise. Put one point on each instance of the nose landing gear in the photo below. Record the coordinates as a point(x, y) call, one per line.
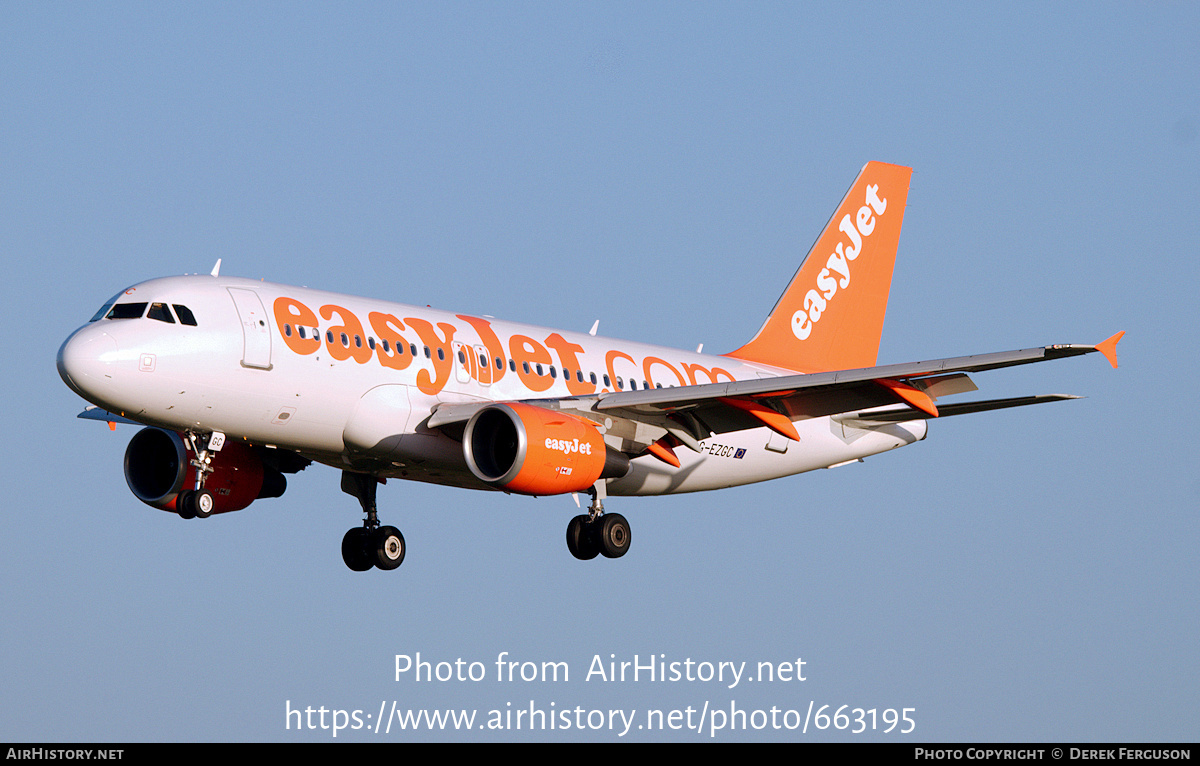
point(199, 502)
point(194, 503)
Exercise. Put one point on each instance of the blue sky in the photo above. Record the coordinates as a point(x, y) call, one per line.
point(1020, 575)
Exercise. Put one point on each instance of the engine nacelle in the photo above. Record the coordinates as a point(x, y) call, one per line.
point(534, 451)
point(158, 467)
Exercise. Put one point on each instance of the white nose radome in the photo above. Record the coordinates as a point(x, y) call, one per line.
point(83, 360)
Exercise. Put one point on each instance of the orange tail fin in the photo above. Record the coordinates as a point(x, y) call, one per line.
point(831, 315)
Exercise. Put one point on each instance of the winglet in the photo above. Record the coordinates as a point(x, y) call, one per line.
point(1108, 347)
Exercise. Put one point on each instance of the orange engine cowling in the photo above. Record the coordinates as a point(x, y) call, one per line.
point(158, 467)
point(534, 451)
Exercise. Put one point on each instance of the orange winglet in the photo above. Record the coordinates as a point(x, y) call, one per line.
point(1108, 347)
point(914, 397)
point(662, 450)
point(777, 422)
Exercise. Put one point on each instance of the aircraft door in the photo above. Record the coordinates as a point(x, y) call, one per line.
point(485, 367)
point(471, 364)
point(256, 329)
point(462, 362)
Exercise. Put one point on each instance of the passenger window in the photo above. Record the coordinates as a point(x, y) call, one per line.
point(160, 312)
point(127, 311)
point(185, 315)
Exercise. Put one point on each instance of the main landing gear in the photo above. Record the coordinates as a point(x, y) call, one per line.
point(198, 502)
point(596, 532)
point(370, 545)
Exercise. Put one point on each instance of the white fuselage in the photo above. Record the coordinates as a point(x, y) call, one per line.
point(321, 374)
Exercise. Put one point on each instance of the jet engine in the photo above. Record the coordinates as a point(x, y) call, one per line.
point(534, 451)
point(158, 468)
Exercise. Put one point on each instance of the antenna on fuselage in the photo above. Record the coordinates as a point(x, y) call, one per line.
point(595, 326)
point(217, 269)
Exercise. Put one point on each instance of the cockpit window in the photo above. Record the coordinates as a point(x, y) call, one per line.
point(103, 310)
point(127, 311)
point(160, 312)
point(185, 315)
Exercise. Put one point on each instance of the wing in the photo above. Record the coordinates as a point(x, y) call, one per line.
point(660, 418)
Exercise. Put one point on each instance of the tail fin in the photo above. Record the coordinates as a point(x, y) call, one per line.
point(831, 315)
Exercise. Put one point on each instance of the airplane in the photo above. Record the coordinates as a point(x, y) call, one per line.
point(239, 382)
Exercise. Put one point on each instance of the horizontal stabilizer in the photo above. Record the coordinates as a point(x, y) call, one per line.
point(946, 410)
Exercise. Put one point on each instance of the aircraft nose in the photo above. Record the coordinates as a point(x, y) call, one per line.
point(82, 361)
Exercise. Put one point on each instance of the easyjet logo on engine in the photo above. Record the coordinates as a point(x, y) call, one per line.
point(836, 274)
point(567, 446)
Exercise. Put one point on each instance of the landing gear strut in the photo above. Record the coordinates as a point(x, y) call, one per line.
point(596, 532)
point(370, 545)
point(198, 502)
